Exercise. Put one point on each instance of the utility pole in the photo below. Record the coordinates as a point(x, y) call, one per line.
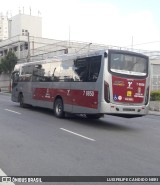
point(132, 43)
point(28, 56)
point(69, 35)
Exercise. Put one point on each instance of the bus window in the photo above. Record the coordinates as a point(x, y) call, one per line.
point(42, 73)
point(81, 68)
point(88, 68)
point(66, 71)
point(128, 64)
point(95, 65)
point(28, 69)
point(15, 78)
point(55, 72)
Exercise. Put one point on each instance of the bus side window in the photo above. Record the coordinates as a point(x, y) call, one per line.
point(95, 65)
point(15, 79)
point(81, 69)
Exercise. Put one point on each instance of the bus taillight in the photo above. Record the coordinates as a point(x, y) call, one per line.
point(147, 96)
point(106, 92)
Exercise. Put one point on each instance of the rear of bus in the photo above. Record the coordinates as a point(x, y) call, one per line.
point(126, 84)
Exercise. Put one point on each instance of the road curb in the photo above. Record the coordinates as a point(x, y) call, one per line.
point(5, 93)
point(155, 113)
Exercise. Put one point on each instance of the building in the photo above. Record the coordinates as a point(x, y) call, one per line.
point(29, 48)
point(23, 24)
point(15, 34)
point(3, 27)
point(20, 24)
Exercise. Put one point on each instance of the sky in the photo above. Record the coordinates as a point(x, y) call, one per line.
point(124, 23)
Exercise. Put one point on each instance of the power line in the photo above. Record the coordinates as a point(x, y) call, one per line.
point(143, 43)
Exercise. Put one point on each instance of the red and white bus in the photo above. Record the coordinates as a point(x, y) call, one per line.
point(101, 82)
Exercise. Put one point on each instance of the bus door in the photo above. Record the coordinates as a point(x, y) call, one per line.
point(84, 88)
point(42, 86)
point(63, 77)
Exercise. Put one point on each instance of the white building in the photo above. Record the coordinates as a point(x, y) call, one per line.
point(23, 24)
point(17, 34)
point(3, 27)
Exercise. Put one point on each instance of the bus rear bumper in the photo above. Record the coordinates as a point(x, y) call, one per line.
point(125, 109)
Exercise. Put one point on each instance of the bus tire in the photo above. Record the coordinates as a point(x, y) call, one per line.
point(94, 116)
point(21, 101)
point(59, 108)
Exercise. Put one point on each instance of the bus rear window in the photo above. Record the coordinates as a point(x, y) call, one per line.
point(128, 64)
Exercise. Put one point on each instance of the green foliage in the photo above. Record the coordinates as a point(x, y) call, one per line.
point(8, 62)
point(155, 96)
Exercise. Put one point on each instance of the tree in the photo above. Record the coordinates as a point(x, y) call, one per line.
point(8, 63)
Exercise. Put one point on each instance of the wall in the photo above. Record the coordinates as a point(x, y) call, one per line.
point(154, 105)
point(4, 82)
point(155, 75)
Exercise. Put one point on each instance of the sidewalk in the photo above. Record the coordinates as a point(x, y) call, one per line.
point(157, 113)
point(154, 107)
point(6, 93)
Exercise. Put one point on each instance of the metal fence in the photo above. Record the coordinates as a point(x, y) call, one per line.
point(155, 82)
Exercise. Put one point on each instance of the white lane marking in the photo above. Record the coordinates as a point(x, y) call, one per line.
point(3, 183)
point(12, 111)
point(77, 134)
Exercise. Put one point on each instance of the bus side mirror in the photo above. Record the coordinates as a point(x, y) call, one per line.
point(15, 76)
point(105, 55)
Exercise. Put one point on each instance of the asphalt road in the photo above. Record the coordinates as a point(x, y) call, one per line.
point(34, 142)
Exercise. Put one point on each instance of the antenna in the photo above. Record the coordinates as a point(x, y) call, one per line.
point(11, 13)
point(30, 10)
point(69, 35)
point(132, 43)
point(39, 13)
point(28, 56)
point(19, 10)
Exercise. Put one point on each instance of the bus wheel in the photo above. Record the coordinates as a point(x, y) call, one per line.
point(21, 101)
point(94, 116)
point(58, 108)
